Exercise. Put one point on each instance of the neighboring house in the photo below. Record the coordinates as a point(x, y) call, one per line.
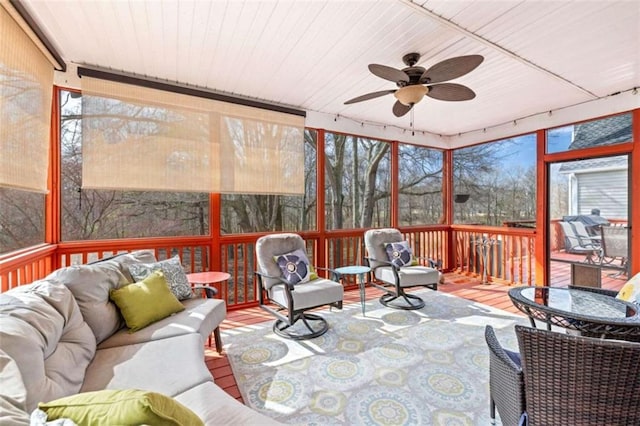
point(600, 183)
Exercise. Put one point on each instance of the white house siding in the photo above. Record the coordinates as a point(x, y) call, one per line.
point(604, 190)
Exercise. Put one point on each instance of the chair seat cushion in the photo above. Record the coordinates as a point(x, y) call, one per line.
point(310, 294)
point(410, 276)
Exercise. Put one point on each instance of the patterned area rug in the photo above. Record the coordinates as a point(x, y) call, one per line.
point(391, 367)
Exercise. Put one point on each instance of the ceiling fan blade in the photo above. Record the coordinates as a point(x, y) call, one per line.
point(368, 96)
point(388, 73)
point(450, 92)
point(451, 68)
point(400, 109)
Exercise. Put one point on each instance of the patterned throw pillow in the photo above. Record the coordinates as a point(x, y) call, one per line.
point(295, 267)
point(630, 292)
point(400, 254)
point(173, 273)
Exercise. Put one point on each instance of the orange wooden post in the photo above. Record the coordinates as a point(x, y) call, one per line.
point(542, 207)
point(634, 191)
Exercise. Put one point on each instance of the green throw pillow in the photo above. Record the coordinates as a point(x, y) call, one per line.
point(145, 302)
point(120, 407)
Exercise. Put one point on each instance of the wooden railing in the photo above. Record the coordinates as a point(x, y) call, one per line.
point(194, 252)
point(25, 266)
point(511, 259)
point(509, 252)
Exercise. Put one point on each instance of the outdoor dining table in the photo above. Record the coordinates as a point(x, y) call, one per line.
point(590, 313)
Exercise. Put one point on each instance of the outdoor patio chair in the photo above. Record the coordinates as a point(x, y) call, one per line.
point(288, 281)
point(583, 234)
point(392, 263)
point(574, 243)
point(615, 245)
point(574, 380)
point(506, 382)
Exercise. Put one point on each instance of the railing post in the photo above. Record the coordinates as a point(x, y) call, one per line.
point(320, 200)
point(634, 191)
point(449, 262)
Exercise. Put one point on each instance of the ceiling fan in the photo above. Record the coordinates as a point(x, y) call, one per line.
point(414, 82)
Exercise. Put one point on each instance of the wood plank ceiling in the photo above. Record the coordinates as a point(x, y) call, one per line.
point(540, 56)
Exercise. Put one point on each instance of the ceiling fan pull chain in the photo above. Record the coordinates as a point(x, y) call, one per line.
point(413, 133)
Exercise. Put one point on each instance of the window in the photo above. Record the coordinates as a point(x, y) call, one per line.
point(357, 182)
point(495, 183)
point(420, 182)
point(26, 81)
point(103, 214)
point(603, 132)
point(263, 213)
point(21, 219)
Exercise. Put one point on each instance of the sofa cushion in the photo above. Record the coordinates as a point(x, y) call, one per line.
point(199, 316)
point(168, 366)
point(145, 302)
point(90, 285)
point(630, 291)
point(225, 411)
point(121, 407)
point(13, 394)
point(126, 259)
point(173, 272)
point(43, 331)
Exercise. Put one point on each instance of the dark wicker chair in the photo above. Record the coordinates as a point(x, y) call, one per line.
point(575, 380)
point(506, 383)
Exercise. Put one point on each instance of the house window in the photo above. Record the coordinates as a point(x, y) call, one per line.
point(603, 132)
point(357, 182)
point(420, 185)
point(495, 183)
point(104, 214)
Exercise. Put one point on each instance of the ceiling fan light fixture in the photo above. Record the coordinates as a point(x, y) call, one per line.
point(411, 95)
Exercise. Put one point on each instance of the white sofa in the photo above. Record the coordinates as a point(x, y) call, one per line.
point(62, 335)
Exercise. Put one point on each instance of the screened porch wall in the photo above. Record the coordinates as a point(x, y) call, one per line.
point(519, 258)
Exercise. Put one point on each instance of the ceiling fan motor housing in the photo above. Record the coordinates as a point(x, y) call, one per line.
point(414, 74)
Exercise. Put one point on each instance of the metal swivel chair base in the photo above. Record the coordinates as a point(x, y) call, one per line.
point(412, 301)
point(316, 325)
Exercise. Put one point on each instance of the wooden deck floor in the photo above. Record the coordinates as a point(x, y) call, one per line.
point(466, 287)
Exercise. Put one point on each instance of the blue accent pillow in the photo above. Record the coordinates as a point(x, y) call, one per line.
point(399, 254)
point(294, 266)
